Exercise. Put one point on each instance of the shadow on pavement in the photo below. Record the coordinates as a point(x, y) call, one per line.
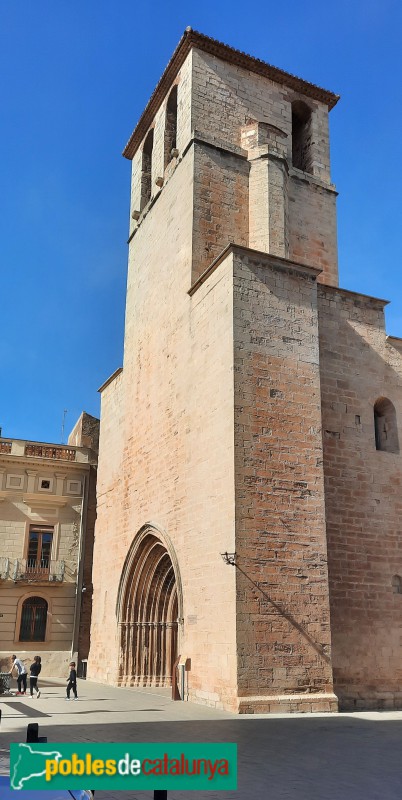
point(338, 757)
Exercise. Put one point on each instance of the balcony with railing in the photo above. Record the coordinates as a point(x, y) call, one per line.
point(5, 447)
point(32, 570)
point(55, 453)
point(43, 450)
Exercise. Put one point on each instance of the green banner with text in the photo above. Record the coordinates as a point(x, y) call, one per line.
point(124, 767)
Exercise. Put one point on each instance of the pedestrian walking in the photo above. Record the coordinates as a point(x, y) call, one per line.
point(22, 674)
point(72, 681)
point(35, 669)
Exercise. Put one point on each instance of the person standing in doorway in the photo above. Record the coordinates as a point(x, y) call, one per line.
point(22, 674)
point(35, 669)
point(72, 681)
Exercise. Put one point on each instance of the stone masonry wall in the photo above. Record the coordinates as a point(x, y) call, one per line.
point(363, 500)
point(283, 625)
point(220, 204)
point(312, 225)
point(225, 97)
point(87, 551)
point(171, 454)
point(102, 664)
point(85, 432)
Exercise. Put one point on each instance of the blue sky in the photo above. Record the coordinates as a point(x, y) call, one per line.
point(75, 79)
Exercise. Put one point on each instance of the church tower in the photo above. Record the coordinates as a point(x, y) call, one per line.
point(211, 485)
point(260, 145)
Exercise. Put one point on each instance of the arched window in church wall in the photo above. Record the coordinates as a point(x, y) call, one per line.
point(385, 427)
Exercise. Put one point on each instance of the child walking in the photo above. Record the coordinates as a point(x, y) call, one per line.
point(72, 681)
point(35, 669)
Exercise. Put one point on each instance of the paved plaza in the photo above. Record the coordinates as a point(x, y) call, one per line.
point(298, 757)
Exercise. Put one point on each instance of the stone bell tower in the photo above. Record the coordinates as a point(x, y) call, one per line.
point(260, 142)
point(212, 430)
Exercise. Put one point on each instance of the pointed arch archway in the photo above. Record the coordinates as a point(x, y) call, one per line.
point(149, 607)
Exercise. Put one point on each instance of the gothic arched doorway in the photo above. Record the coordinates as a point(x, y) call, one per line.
point(148, 610)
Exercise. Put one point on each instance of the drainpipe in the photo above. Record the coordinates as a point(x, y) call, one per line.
point(80, 570)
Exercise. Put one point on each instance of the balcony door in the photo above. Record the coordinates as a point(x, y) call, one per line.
point(39, 551)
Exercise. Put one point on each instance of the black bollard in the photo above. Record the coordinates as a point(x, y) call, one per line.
point(160, 794)
point(33, 734)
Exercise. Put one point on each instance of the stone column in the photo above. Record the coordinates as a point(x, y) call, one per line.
point(60, 477)
point(268, 188)
point(31, 480)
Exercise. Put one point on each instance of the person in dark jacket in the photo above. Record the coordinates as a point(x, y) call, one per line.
point(35, 669)
point(72, 681)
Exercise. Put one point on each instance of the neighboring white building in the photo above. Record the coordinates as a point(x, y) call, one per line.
point(47, 514)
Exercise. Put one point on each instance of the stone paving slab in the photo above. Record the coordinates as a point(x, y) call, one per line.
point(283, 757)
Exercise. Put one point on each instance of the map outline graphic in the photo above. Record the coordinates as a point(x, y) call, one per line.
point(14, 777)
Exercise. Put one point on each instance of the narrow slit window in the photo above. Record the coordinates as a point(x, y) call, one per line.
point(146, 171)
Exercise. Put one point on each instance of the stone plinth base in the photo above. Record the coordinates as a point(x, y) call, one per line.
point(368, 699)
point(288, 703)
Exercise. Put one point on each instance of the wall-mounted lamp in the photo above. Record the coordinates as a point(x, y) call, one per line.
point(229, 558)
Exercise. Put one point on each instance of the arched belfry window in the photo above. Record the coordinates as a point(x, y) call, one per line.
point(385, 427)
point(146, 170)
point(171, 126)
point(301, 136)
point(33, 620)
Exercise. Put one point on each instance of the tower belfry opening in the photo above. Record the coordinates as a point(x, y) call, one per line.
point(301, 136)
point(146, 172)
point(171, 126)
